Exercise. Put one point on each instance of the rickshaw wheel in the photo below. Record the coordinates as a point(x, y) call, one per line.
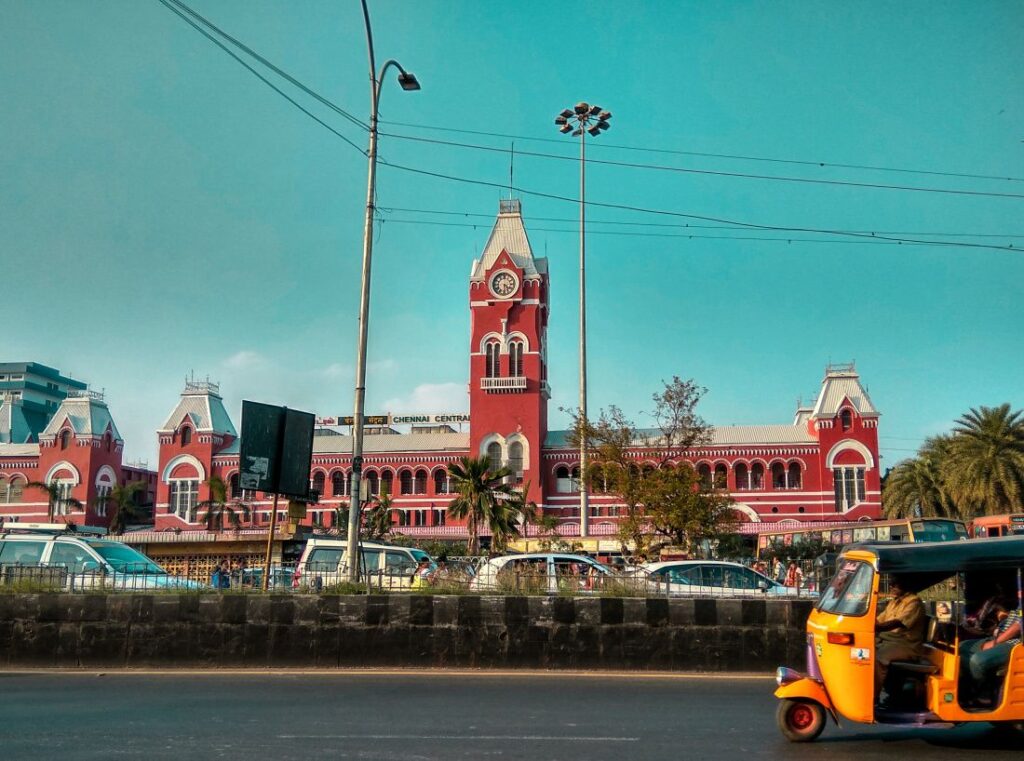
point(800, 721)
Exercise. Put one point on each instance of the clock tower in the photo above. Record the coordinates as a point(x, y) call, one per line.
point(508, 381)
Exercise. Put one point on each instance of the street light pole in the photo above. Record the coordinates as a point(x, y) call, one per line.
point(407, 82)
point(590, 120)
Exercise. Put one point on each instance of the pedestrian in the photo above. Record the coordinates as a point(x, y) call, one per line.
point(794, 576)
point(221, 578)
point(780, 571)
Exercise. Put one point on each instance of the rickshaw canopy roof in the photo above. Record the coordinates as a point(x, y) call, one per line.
point(1001, 553)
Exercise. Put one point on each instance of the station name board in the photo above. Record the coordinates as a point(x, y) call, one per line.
point(440, 418)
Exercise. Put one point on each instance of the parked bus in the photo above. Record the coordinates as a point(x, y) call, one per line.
point(997, 525)
point(837, 535)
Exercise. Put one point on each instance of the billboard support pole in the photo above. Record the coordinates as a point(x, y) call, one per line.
point(270, 545)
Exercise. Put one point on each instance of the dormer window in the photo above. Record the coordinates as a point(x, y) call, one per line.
point(846, 419)
point(65, 438)
point(186, 436)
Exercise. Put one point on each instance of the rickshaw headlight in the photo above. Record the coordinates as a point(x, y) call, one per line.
point(785, 676)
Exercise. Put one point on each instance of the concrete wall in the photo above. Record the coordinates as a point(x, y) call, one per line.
point(212, 630)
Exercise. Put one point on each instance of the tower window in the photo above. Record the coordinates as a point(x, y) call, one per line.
point(493, 368)
point(849, 487)
point(186, 436)
point(515, 459)
point(846, 420)
point(515, 358)
point(494, 455)
point(65, 438)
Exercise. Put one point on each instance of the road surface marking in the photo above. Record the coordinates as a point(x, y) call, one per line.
point(529, 738)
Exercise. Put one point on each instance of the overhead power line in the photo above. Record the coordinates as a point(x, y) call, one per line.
point(732, 156)
point(276, 69)
point(687, 225)
point(687, 215)
point(710, 172)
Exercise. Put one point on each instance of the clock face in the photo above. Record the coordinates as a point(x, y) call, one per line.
point(504, 284)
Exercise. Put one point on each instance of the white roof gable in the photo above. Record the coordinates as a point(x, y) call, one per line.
point(509, 234)
point(201, 403)
point(838, 385)
point(87, 414)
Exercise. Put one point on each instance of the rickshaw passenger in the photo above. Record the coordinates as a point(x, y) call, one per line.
point(900, 630)
point(983, 658)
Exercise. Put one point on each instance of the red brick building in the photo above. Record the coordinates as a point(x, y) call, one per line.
point(822, 466)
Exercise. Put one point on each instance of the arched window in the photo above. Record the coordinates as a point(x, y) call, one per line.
point(515, 459)
point(704, 474)
point(757, 476)
point(794, 475)
point(234, 489)
point(387, 482)
point(778, 475)
point(563, 482)
point(106, 441)
point(742, 476)
point(420, 484)
point(337, 484)
point(494, 455)
point(318, 482)
point(186, 436)
point(65, 438)
point(373, 483)
point(493, 351)
point(846, 419)
point(183, 498)
point(575, 479)
point(515, 359)
point(849, 487)
point(721, 476)
point(440, 482)
point(405, 481)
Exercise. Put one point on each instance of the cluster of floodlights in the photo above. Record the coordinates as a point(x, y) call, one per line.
point(583, 117)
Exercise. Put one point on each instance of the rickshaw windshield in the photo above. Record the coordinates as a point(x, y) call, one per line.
point(849, 593)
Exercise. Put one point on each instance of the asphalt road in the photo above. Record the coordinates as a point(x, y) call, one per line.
point(420, 717)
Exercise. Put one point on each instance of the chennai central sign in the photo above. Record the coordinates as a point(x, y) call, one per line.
point(440, 418)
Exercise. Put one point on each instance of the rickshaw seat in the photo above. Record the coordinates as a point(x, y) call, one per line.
point(916, 667)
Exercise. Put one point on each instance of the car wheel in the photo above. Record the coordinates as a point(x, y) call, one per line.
point(800, 721)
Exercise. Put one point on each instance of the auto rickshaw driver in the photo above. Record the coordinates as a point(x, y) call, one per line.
point(900, 630)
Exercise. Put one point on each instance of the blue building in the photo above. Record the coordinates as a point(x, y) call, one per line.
point(29, 395)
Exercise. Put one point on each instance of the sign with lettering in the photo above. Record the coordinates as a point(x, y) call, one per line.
point(421, 418)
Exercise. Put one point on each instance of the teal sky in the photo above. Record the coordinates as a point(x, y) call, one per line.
point(163, 211)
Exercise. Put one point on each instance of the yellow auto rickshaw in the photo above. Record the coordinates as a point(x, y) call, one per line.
point(932, 686)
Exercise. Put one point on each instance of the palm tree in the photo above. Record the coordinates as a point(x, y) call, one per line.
point(56, 497)
point(985, 466)
point(125, 509)
point(915, 487)
point(485, 498)
point(215, 509)
point(378, 517)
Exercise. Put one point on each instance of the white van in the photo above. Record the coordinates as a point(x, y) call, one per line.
point(323, 563)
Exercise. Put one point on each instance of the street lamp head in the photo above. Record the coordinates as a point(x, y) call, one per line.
point(577, 133)
point(408, 81)
point(582, 108)
point(560, 120)
point(603, 125)
point(565, 128)
point(566, 113)
point(593, 131)
point(595, 110)
point(605, 116)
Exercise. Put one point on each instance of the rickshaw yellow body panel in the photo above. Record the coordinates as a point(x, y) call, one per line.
point(807, 689)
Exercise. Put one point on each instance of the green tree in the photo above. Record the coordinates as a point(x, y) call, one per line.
point(217, 508)
point(377, 520)
point(485, 498)
point(680, 508)
point(55, 498)
point(984, 468)
point(121, 505)
point(916, 487)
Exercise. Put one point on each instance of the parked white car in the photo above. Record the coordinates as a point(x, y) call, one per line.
point(323, 563)
point(78, 558)
point(544, 572)
point(714, 578)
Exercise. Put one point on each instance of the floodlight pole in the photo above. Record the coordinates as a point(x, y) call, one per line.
point(592, 120)
point(408, 82)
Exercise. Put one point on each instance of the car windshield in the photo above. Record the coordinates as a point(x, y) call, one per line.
point(420, 555)
point(849, 593)
point(124, 559)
